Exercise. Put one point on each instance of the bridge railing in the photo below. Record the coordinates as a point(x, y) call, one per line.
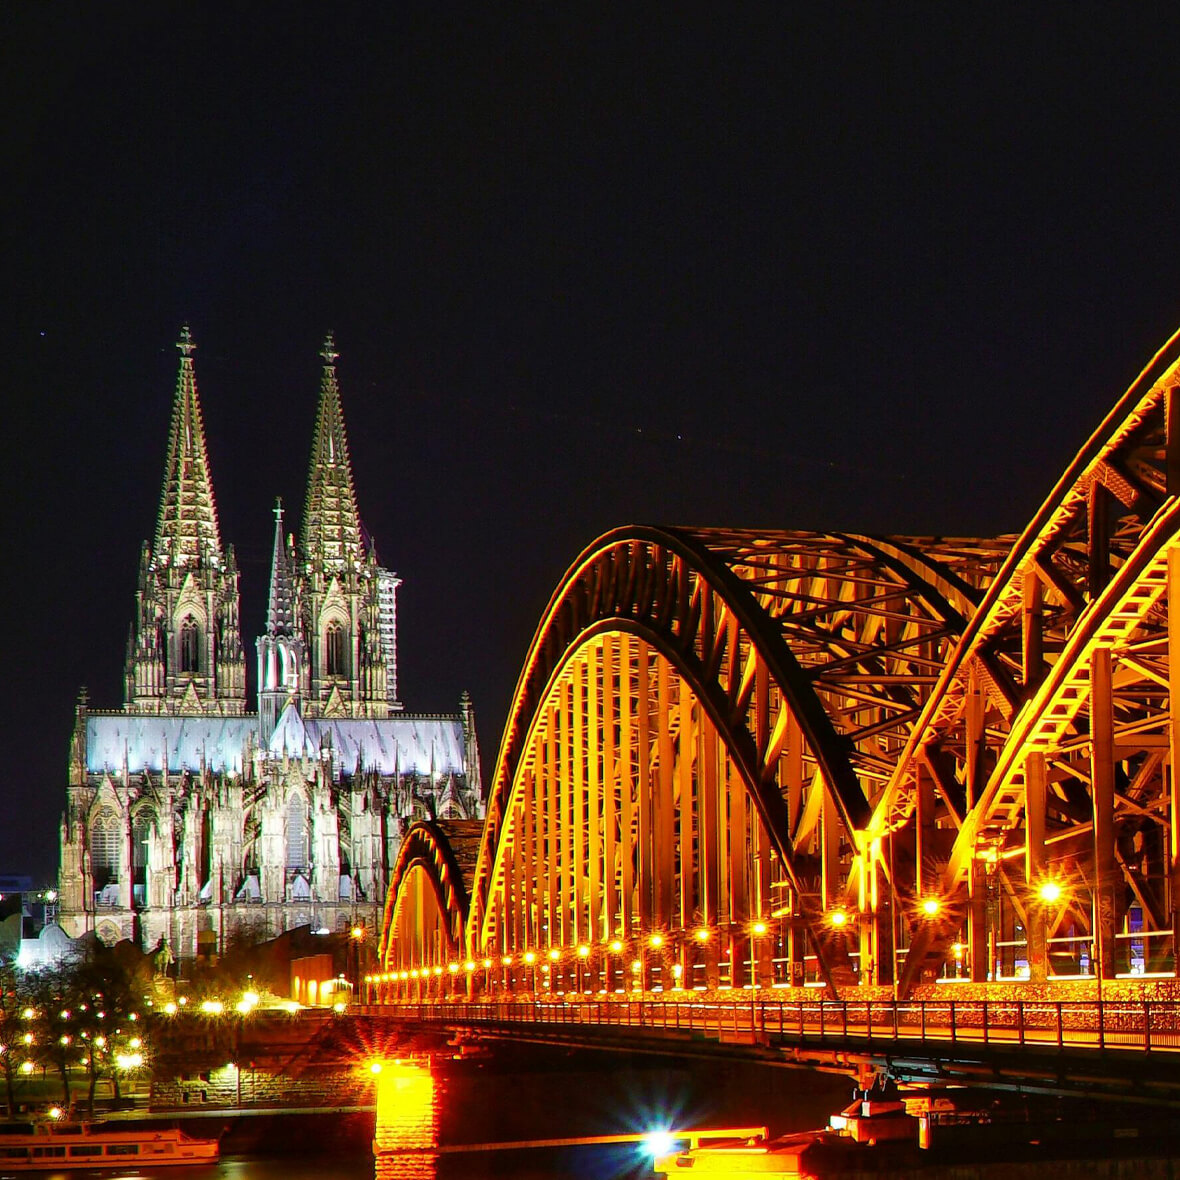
point(1144, 1025)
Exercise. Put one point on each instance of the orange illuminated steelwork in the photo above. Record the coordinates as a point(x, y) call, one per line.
point(851, 758)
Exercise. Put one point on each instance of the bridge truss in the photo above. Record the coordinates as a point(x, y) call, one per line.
point(739, 758)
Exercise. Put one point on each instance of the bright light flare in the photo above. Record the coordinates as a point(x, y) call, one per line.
point(212, 1007)
point(1050, 892)
point(931, 907)
point(838, 918)
point(657, 1143)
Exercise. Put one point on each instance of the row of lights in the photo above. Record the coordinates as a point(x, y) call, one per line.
point(1050, 892)
point(529, 958)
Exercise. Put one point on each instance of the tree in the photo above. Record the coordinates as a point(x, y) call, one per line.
point(15, 1027)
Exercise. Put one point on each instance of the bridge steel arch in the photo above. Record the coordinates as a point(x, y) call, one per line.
point(426, 906)
point(723, 743)
point(699, 733)
point(1036, 793)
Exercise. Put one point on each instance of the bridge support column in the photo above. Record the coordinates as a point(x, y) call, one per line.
point(977, 932)
point(1035, 780)
point(1102, 757)
point(1174, 726)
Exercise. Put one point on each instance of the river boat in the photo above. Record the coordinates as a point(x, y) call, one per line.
point(54, 1145)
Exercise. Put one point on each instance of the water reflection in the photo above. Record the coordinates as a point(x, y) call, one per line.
point(407, 1122)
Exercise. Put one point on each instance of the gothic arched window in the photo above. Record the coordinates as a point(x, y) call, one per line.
point(297, 857)
point(190, 645)
point(141, 831)
point(334, 655)
point(104, 848)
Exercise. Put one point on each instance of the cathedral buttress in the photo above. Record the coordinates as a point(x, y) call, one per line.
point(186, 649)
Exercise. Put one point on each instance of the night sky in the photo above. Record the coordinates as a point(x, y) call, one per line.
point(870, 267)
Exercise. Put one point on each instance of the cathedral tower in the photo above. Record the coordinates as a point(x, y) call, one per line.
point(349, 612)
point(185, 650)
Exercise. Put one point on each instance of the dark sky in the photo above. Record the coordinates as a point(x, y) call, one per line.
point(872, 267)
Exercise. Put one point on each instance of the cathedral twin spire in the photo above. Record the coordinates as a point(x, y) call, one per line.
point(330, 639)
point(187, 532)
point(331, 523)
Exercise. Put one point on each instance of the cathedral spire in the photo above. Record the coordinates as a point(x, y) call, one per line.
point(187, 532)
point(280, 611)
point(331, 524)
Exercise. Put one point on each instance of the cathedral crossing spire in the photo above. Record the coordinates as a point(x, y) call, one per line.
point(187, 532)
point(280, 611)
point(331, 523)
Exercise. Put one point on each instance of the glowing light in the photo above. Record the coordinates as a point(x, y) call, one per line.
point(182, 1001)
point(616, 946)
point(358, 932)
point(453, 968)
point(931, 906)
point(469, 966)
point(507, 960)
point(438, 970)
point(530, 958)
point(27, 1038)
point(702, 934)
point(128, 1060)
point(404, 975)
point(135, 1043)
point(554, 954)
point(957, 949)
point(658, 1143)
point(1050, 892)
point(636, 966)
point(101, 1041)
point(374, 1067)
point(55, 1112)
point(414, 973)
point(27, 1067)
point(758, 928)
point(838, 918)
point(583, 952)
point(212, 1007)
point(28, 1014)
point(65, 1014)
point(65, 1039)
point(170, 1008)
point(339, 1007)
point(487, 963)
point(656, 940)
point(677, 970)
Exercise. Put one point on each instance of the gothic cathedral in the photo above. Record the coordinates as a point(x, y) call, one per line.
point(193, 819)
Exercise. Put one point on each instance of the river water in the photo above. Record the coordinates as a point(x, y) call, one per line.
point(517, 1096)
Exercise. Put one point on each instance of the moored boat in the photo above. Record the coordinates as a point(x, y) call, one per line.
point(53, 1145)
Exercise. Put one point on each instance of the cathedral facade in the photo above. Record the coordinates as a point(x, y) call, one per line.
point(193, 818)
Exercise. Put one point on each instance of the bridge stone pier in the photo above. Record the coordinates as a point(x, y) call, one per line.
point(827, 768)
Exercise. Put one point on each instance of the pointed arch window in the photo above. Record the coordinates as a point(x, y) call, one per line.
point(335, 657)
point(190, 645)
point(105, 846)
point(297, 850)
point(141, 833)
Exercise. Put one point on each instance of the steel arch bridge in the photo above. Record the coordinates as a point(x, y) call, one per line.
point(744, 759)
